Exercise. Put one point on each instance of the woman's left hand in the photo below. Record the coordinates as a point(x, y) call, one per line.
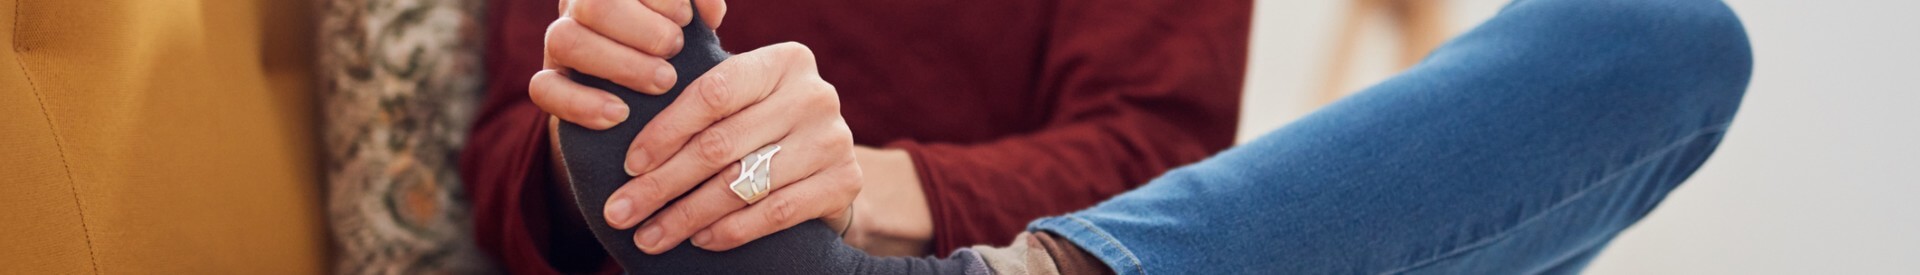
point(772, 95)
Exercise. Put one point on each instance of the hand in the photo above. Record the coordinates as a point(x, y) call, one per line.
point(624, 41)
point(772, 95)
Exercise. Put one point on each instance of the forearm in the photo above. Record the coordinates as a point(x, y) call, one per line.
point(981, 193)
point(1023, 178)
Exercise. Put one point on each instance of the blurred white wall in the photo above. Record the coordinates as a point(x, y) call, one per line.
point(1817, 176)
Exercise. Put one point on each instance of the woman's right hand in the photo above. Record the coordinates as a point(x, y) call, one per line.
point(624, 41)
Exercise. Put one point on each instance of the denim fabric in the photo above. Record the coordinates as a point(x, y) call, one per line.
point(1523, 146)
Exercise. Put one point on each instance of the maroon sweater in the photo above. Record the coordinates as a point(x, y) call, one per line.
point(1012, 110)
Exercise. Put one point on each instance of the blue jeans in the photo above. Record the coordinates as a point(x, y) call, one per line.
point(1523, 146)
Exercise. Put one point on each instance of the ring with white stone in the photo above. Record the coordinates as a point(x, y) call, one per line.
point(754, 182)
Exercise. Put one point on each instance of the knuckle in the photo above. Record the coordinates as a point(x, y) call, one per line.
point(635, 72)
point(656, 139)
point(655, 135)
point(651, 190)
point(840, 129)
point(844, 140)
point(826, 87)
point(843, 176)
point(850, 183)
point(560, 34)
point(793, 51)
point(735, 233)
point(714, 91)
point(684, 214)
point(669, 39)
point(581, 110)
point(757, 62)
point(836, 142)
point(779, 212)
point(828, 97)
point(818, 95)
point(843, 143)
point(713, 147)
point(589, 10)
point(665, 6)
point(570, 105)
point(642, 142)
point(684, 8)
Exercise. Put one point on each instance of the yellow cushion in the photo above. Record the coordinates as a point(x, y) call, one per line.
point(173, 137)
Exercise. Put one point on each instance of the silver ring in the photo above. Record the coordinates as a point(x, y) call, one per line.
point(754, 182)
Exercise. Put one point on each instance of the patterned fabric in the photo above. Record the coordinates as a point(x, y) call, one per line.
point(399, 83)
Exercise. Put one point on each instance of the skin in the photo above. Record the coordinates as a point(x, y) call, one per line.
point(771, 95)
point(893, 215)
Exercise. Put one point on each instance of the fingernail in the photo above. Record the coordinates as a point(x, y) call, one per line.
point(619, 210)
point(615, 111)
point(635, 158)
point(664, 78)
point(650, 237)
point(701, 239)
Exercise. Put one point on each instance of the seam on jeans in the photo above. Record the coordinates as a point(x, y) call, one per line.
point(1585, 248)
point(86, 232)
point(1604, 181)
point(1111, 242)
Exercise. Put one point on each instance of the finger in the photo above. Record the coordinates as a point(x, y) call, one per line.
point(716, 147)
point(572, 102)
point(672, 225)
point(736, 135)
point(678, 11)
point(546, 61)
point(630, 23)
point(732, 85)
point(574, 46)
point(712, 11)
point(799, 158)
point(826, 193)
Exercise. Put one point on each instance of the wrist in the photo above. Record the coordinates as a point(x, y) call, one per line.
point(894, 215)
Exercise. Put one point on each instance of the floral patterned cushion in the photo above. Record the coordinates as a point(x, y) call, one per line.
point(399, 81)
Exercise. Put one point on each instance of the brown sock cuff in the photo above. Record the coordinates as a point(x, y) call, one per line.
point(1068, 257)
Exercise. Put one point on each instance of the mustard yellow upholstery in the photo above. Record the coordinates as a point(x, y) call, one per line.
point(158, 136)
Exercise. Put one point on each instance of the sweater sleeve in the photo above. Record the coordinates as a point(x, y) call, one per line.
point(501, 168)
point(1138, 87)
point(517, 219)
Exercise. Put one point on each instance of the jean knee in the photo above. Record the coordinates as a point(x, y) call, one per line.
point(1708, 42)
point(1697, 47)
point(1707, 29)
point(1702, 48)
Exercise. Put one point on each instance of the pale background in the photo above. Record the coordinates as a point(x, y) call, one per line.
point(1817, 175)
